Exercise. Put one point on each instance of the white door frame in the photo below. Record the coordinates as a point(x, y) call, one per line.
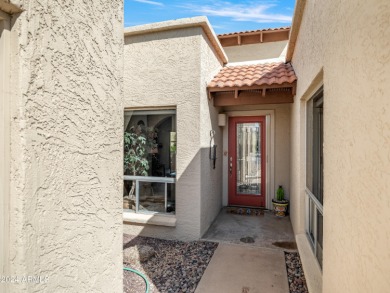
point(270, 154)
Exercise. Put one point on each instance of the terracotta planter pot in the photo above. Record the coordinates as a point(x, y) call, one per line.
point(280, 207)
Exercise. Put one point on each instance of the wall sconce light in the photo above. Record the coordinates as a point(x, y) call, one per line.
point(222, 119)
point(213, 148)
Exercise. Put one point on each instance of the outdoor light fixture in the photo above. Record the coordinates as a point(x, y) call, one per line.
point(222, 119)
point(213, 148)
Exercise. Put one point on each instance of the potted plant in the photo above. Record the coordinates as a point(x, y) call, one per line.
point(280, 203)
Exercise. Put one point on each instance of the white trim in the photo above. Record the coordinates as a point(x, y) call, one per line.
point(5, 149)
point(315, 200)
point(270, 153)
point(132, 112)
point(150, 219)
point(314, 86)
point(311, 93)
point(150, 179)
point(312, 269)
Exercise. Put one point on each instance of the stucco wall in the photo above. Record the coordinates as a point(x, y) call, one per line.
point(349, 41)
point(211, 179)
point(255, 51)
point(66, 146)
point(163, 69)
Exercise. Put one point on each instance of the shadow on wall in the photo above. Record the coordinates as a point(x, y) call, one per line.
point(163, 35)
point(192, 201)
point(198, 200)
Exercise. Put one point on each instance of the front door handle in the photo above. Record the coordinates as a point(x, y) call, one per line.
point(230, 165)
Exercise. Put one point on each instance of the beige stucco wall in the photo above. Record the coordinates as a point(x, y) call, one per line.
point(164, 69)
point(66, 146)
point(256, 51)
point(211, 179)
point(349, 41)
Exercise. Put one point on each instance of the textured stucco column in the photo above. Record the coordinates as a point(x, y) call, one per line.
point(66, 146)
point(344, 45)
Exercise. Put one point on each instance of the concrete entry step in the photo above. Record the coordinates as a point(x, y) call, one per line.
point(242, 269)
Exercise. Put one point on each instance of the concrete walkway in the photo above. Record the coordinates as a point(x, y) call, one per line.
point(240, 267)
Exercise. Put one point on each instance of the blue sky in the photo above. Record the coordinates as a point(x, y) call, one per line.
point(224, 16)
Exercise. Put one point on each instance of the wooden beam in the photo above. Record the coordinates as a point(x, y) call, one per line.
point(243, 88)
point(210, 95)
point(249, 37)
point(250, 98)
point(254, 33)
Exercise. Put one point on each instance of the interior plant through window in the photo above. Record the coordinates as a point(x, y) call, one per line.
point(149, 161)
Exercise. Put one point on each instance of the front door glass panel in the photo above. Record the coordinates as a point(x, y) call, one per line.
point(246, 169)
point(248, 179)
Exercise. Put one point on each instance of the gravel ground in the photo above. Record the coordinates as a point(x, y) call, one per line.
point(296, 277)
point(176, 267)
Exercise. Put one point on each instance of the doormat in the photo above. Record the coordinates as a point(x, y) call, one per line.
point(245, 211)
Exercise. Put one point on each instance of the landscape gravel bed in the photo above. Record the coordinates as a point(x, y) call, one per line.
point(175, 266)
point(295, 275)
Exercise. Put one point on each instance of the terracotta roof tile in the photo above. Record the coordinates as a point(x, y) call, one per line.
point(255, 31)
point(254, 75)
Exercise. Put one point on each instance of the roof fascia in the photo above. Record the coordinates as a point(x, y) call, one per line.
point(180, 24)
point(295, 27)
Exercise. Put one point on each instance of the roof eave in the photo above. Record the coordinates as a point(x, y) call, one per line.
point(199, 21)
point(254, 32)
point(295, 27)
point(252, 87)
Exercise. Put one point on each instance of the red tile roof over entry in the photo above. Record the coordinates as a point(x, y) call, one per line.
point(254, 75)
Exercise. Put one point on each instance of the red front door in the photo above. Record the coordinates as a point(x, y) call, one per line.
point(247, 161)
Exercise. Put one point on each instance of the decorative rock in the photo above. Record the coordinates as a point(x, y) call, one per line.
point(140, 253)
point(177, 267)
point(296, 277)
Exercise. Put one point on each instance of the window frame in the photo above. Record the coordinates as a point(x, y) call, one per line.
point(151, 179)
point(314, 172)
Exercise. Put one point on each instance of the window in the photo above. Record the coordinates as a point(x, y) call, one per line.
point(314, 172)
point(150, 161)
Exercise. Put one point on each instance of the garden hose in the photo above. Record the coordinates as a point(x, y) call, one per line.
point(141, 275)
